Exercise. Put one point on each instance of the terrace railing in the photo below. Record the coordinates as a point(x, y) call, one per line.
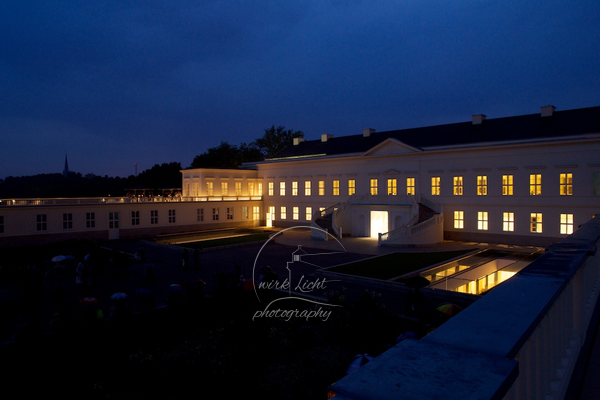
point(116, 200)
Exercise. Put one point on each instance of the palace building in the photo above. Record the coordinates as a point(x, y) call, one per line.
point(529, 179)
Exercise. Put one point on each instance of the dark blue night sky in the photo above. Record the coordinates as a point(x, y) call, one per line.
point(115, 83)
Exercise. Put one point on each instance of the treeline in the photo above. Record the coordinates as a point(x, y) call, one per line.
point(167, 175)
point(228, 155)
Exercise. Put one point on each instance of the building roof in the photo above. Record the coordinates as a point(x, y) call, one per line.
point(525, 127)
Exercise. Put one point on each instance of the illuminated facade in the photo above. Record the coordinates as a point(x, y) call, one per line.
point(529, 179)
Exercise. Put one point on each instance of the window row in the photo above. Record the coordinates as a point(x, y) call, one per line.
point(508, 222)
point(392, 187)
point(254, 189)
point(135, 218)
point(41, 223)
point(305, 214)
point(565, 185)
point(90, 220)
point(229, 214)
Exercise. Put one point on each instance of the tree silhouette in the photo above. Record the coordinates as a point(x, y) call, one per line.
point(276, 139)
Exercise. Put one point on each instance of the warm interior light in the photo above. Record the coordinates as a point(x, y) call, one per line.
point(379, 223)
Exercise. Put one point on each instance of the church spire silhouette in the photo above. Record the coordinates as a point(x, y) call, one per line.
point(66, 170)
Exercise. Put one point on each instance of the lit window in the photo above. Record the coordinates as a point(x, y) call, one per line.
point(238, 188)
point(271, 189)
point(482, 220)
point(536, 222)
point(391, 187)
point(256, 213)
point(481, 185)
point(508, 222)
point(566, 224)
point(435, 185)
point(250, 188)
point(245, 214)
point(224, 189)
point(171, 216)
point(336, 188)
point(321, 188)
point(229, 212)
point(282, 188)
point(374, 187)
point(153, 217)
point(113, 220)
point(307, 188)
point(41, 222)
point(295, 213)
point(295, 188)
point(410, 186)
point(459, 219)
point(535, 184)
point(209, 188)
point(215, 214)
point(308, 213)
point(68, 221)
point(458, 185)
point(566, 184)
point(507, 185)
point(200, 214)
point(90, 220)
point(195, 189)
point(135, 218)
point(351, 187)
point(283, 212)
point(259, 191)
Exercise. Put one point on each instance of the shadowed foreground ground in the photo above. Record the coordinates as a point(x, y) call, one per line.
point(207, 349)
point(202, 350)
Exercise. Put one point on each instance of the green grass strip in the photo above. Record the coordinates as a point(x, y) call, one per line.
point(395, 264)
point(203, 244)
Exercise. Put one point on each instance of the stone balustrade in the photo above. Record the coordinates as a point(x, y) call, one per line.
point(526, 339)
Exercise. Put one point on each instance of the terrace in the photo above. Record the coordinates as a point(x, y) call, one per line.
point(528, 338)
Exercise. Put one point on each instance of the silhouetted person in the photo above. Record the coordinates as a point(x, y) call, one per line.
point(414, 303)
point(184, 259)
point(197, 258)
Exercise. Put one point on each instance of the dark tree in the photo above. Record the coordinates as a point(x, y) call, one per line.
point(227, 155)
point(276, 139)
point(167, 175)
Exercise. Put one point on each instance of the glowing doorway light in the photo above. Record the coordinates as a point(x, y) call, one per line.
point(379, 223)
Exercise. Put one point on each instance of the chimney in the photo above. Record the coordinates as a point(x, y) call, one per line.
point(548, 111)
point(368, 132)
point(478, 119)
point(325, 137)
point(298, 140)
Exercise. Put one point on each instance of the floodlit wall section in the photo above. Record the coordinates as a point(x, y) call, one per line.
point(200, 183)
point(478, 279)
point(104, 221)
point(494, 197)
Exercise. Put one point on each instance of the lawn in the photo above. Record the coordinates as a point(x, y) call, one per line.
point(396, 264)
point(225, 241)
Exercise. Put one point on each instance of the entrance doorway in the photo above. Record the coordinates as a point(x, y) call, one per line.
point(379, 223)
